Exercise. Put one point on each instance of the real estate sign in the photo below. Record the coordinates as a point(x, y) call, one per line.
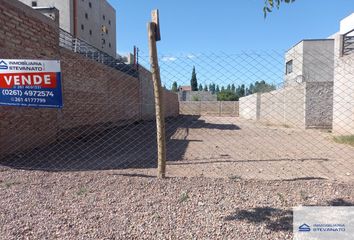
point(30, 83)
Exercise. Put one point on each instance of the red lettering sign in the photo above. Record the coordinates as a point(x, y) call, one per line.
point(44, 80)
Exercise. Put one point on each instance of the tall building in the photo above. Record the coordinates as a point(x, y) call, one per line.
point(93, 21)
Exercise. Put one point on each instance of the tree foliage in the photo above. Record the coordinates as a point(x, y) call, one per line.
point(194, 81)
point(205, 88)
point(269, 5)
point(174, 87)
point(227, 95)
point(233, 93)
point(262, 87)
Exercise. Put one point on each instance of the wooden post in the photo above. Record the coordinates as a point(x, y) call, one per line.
point(158, 92)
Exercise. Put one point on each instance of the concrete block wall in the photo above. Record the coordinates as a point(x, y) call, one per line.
point(307, 105)
point(250, 107)
point(284, 106)
point(196, 96)
point(210, 108)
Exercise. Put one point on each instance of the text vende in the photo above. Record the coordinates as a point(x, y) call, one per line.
point(45, 80)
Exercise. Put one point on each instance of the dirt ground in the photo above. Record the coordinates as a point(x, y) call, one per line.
point(231, 147)
point(227, 179)
point(218, 147)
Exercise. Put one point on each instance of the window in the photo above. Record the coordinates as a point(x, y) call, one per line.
point(34, 3)
point(110, 45)
point(82, 27)
point(289, 67)
point(86, 15)
point(104, 17)
point(103, 41)
point(91, 32)
point(109, 22)
point(90, 4)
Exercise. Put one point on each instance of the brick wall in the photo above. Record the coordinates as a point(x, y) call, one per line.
point(94, 93)
point(171, 105)
point(95, 96)
point(26, 34)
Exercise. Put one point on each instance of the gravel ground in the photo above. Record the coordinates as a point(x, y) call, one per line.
point(119, 204)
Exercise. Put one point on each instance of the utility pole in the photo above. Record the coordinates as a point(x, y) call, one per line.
point(154, 36)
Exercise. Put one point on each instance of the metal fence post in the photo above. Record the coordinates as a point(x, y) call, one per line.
point(160, 119)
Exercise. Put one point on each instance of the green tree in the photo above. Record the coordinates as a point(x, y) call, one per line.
point(212, 88)
point(200, 88)
point(174, 87)
point(241, 91)
point(217, 89)
point(228, 87)
point(195, 98)
point(205, 88)
point(233, 88)
point(194, 81)
point(262, 87)
point(259, 87)
point(227, 95)
point(269, 5)
point(251, 88)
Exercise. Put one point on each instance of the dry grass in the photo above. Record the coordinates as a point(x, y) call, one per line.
point(349, 140)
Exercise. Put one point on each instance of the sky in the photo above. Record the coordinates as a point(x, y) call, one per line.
point(203, 33)
point(226, 25)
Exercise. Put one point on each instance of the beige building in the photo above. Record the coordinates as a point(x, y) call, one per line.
point(93, 21)
point(309, 61)
point(343, 109)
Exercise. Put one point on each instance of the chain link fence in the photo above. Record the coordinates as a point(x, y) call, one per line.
point(253, 115)
point(261, 115)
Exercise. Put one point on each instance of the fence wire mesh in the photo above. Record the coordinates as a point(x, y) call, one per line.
point(252, 115)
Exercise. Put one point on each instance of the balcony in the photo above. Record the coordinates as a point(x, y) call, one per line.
point(348, 42)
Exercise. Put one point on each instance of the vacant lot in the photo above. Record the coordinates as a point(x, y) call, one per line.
point(230, 147)
point(228, 179)
point(112, 205)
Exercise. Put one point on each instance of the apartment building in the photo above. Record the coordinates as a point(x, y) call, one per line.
point(93, 21)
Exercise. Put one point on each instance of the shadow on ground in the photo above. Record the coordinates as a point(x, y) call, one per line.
point(276, 219)
point(94, 148)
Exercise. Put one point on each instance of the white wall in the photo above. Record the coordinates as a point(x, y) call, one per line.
point(296, 55)
point(347, 24)
point(343, 95)
point(249, 107)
